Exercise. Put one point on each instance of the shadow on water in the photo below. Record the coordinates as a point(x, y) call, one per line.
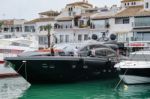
point(13, 88)
point(100, 89)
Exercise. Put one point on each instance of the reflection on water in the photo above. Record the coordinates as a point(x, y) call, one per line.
point(102, 89)
point(134, 91)
point(12, 88)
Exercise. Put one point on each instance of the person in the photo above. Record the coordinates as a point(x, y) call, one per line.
point(52, 51)
point(93, 52)
point(75, 53)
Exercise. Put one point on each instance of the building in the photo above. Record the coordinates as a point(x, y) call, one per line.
point(132, 24)
point(46, 18)
point(101, 22)
point(71, 25)
point(78, 21)
point(12, 28)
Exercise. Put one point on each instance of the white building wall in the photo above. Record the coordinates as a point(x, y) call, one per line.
point(122, 30)
point(73, 34)
point(19, 22)
point(44, 33)
point(114, 28)
point(99, 23)
point(133, 3)
point(77, 11)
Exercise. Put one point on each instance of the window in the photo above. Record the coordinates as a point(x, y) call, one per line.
point(110, 53)
point(69, 13)
point(71, 9)
point(79, 37)
point(12, 29)
point(6, 29)
point(134, 3)
point(85, 48)
point(85, 37)
point(146, 5)
point(61, 38)
point(122, 21)
point(125, 20)
point(100, 53)
point(67, 38)
point(43, 40)
point(81, 22)
point(7, 36)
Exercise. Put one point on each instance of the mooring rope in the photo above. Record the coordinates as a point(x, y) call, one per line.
point(25, 66)
point(25, 70)
point(20, 67)
point(121, 80)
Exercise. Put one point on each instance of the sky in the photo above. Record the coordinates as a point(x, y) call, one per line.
point(29, 9)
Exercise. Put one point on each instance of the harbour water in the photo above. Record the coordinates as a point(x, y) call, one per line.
point(14, 88)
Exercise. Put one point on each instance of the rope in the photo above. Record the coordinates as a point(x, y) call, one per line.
point(25, 70)
point(121, 79)
point(24, 63)
point(20, 67)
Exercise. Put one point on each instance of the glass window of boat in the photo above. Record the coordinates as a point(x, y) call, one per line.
point(19, 44)
point(86, 48)
point(139, 57)
point(110, 53)
point(100, 53)
point(97, 46)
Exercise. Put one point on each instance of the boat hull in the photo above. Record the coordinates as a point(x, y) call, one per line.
point(63, 68)
point(135, 75)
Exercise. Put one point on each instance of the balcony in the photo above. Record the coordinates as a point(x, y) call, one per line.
point(59, 27)
point(100, 27)
point(141, 24)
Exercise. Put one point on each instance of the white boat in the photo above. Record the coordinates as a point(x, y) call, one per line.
point(14, 46)
point(136, 70)
point(11, 48)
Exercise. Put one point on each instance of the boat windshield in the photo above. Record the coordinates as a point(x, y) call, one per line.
point(24, 43)
point(139, 57)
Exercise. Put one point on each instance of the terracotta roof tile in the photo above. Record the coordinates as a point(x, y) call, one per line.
point(130, 0)
point(87, 14)
point(7, 22)
point(39, 20)
point(49, 13)
point(80, 3)
point(104, 15)
point(143, 13)
point(128, 12)
point(64, 18)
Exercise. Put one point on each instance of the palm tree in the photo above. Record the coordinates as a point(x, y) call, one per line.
point(1, 23)
point(48, 28)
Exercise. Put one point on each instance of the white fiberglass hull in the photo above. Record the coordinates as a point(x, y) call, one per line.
point(7, 71)
point(132, 79)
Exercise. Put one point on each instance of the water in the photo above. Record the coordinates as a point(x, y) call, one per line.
point(13, 88)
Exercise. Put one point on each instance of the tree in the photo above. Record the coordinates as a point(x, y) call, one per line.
point(48, 28)
point(1, 23)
